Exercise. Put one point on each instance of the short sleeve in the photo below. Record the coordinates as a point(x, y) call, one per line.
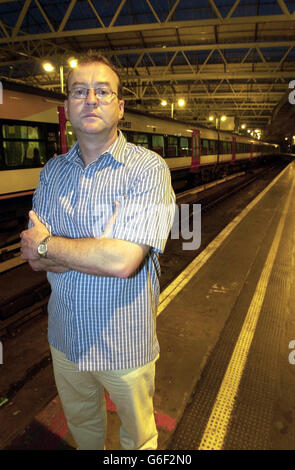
point(40, 200)
point(147, 211)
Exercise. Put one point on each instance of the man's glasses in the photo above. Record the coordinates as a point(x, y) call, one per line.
point(103, 93)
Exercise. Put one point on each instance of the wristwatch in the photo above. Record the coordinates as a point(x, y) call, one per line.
point(42, 247)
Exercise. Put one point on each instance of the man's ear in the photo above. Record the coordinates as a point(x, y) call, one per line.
point(121, 108)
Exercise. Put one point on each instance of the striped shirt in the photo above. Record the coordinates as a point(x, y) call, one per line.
point(106, 323)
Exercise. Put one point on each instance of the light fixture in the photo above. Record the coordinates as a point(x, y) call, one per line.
point(181, 102)
point(223, 118)
point(211, 117)
point(73, 62)
point(243, 126)
point(164, 103)
point(48, 67)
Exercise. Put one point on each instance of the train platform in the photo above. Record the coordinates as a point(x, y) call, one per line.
point(226, 374)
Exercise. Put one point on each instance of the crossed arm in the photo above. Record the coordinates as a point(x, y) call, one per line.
point(98, 256)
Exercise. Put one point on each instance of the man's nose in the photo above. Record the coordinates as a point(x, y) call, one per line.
point(91, 97)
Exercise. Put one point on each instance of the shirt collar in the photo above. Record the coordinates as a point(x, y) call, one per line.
point(116, 150)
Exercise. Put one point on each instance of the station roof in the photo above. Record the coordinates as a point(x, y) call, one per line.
point(232, 57)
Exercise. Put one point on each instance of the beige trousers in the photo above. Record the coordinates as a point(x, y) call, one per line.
point(83, 401)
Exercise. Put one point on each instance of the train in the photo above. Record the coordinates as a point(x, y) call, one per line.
point(33, 129)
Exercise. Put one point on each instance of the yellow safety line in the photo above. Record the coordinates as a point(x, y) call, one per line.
point(185, 276)
point(217, 426)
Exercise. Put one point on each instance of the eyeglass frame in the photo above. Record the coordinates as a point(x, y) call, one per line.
point(112, 93)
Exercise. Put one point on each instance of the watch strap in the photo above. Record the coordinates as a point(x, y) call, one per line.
point(45, 242)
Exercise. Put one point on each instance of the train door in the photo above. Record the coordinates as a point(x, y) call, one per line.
point(196, 150)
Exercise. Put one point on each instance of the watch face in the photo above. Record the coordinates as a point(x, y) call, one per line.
point(42, 248)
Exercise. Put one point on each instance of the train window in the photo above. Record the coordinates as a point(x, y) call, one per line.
point(141, 139)
point(71, 139)
point(212, 147)
point(184, 146)
point(27, 144)
point(2, 163)
point(190, 143)
point(24, 153)
point(240, 147)
point(225, 147)
point(158, 144)
point(205, 146)
point(172, 149)
point(21, 132)
point(70, 134)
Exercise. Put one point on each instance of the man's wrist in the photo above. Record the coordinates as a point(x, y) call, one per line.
point(42, 248)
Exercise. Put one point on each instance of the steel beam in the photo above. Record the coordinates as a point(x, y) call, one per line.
point(141, 27)
point(246, 75)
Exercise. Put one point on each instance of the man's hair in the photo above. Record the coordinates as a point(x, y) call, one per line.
point(94, 58)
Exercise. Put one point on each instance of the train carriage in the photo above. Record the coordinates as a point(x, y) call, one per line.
point(33, 129)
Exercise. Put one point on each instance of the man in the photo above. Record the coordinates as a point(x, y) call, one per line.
point(102, 213)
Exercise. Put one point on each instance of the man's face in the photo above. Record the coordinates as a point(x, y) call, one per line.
point(89, 115)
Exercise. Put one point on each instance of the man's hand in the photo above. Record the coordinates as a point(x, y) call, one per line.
point(47, 265)
point(31, 238)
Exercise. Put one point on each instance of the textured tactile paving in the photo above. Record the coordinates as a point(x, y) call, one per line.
point(250, 423)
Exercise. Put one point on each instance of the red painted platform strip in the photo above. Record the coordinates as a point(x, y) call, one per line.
point(165, 421)
point(162, 420)
point(53, 418)
point(110, 405)
point(53, 423)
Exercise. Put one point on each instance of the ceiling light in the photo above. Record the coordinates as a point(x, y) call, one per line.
point(73, 62)
point(48, 67)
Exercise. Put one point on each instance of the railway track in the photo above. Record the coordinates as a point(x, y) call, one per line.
point(29, 303)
